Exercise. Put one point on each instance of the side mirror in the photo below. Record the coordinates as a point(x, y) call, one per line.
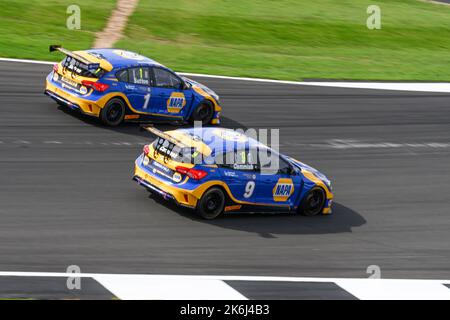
point(294, 171)
point(184, 86)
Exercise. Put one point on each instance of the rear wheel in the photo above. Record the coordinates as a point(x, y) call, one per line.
point(113, 112)
point(204, 112)
point(313, 202)
point(211, 204)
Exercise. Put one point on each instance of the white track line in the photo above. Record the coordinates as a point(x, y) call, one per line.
point(378, 289)
point(27, 61)
point(203, 287)
point(137, 288)
point(203, 277)
point(442, 87)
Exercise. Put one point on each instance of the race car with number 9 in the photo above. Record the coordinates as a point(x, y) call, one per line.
point(216, 170)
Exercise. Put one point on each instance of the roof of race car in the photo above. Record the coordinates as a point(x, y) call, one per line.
point(121, 58)
point(216, 140)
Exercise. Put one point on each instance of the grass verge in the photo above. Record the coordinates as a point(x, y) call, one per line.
point(29, 27)
point(295, 39)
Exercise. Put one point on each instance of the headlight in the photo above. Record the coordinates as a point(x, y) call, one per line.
point(216, 97)
point(211, 93)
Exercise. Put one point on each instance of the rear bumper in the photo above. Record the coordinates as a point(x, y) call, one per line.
point(152, 188)
point(63, 101)
point(70, 100)
point(181, 197)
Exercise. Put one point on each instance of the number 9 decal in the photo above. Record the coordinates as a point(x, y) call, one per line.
point(249, 188)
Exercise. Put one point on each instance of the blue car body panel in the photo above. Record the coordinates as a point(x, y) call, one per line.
point(144, 100)
point(279, 191)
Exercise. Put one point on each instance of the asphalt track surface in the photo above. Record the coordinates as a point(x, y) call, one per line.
point(66, 195)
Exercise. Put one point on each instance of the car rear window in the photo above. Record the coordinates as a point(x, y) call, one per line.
point(81, 69)
point(172, 151)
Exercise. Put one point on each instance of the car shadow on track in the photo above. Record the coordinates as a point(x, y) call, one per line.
point(132, 128)
point(269, 225)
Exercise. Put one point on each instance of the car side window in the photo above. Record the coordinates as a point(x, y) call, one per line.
point(166, 79)
point(238, 160)
point(139, 75)
point(274, 163)
point(122, 75)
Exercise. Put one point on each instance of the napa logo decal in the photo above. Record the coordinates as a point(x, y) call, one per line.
point(176, 102)
point(283, 189)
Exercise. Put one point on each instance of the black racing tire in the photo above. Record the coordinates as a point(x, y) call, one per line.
point(211, 204)
point(313, 202)
point(204, 112)
point(113, 112)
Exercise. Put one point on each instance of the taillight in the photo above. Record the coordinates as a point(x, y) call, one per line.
point(146, 149)
point(192, 173)
point(55, 67)
point(98, 86)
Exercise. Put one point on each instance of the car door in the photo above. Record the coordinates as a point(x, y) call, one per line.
point(239, 174)
point(278, 183)
point(171, 96)
point(136, 84)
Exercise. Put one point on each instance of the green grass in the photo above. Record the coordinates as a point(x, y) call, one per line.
point(29, 27)
point(281, 39)
point(294, 39)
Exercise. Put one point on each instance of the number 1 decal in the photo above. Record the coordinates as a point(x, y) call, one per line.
point(146, 100)
point(249, 188)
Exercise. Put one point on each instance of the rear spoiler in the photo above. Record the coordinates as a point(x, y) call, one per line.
point(90, 65)
point(172, 142)
point(162, 134)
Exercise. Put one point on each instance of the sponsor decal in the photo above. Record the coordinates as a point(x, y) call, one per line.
point(177, 177)
point(160, 166)
point(131, 116)
point(237, 166)
point(176, 102)
point(230, 174)
point(230, 135)
point(283, 189)
point(68, 81)
point(129, 55)
point(233, 208)
point(83, 90)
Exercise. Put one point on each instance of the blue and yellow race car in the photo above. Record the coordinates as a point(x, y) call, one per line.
point(116, 85)
point(216, 170)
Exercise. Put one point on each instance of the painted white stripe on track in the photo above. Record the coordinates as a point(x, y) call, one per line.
point(203, 287)
point(386, 289)
point(138, 288)
point(442, 87)
point(203, 277)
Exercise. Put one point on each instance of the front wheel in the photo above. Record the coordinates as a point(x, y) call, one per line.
point(313, 202)
point(211, 204)
point(204, 112)
point(113, 112)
